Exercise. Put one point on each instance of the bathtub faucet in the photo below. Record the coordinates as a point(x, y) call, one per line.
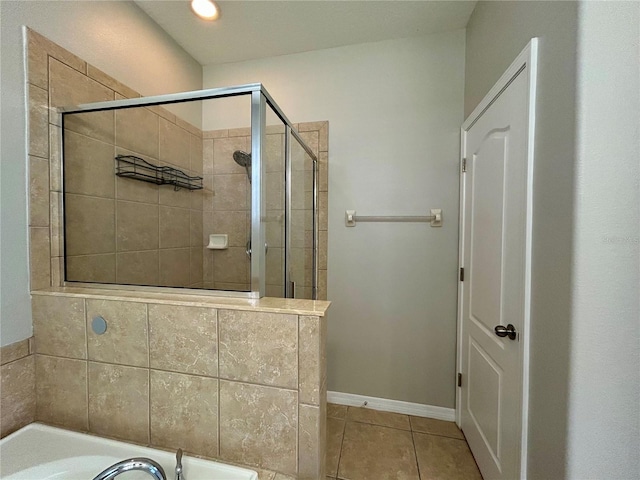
point(142, 464)
point(179, 465)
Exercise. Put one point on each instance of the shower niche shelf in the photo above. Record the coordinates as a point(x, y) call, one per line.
point(130, 166)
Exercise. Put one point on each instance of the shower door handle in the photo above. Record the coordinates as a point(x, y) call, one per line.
point(248, 248)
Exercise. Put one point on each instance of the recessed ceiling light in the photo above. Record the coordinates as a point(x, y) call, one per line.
point(205, 9)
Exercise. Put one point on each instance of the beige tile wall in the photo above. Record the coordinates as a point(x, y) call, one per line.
point(245, 387)
point(122, 231)
point(165, 375)
point(227, 209)
point(115, 239)
point(323, 199)
point(18, 388)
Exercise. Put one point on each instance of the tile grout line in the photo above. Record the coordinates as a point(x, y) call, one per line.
point(396, 428)
point(415, 453)
point(439, 435)
point(411, 431)
point(344, 432)
point(17, 359)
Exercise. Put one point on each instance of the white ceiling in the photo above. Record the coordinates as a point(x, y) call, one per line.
point(249, 30)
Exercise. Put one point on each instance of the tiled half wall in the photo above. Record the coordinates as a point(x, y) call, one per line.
point(243, 386)
point(18, 388)
point(112, 251)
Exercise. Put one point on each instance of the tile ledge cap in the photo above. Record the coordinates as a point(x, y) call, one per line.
point(266, 304)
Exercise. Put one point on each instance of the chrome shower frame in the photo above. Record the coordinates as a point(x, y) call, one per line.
point(260, 99)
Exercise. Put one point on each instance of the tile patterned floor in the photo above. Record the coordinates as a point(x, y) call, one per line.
point(365, 444)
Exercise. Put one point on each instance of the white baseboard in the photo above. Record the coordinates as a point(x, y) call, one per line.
point(396, 406)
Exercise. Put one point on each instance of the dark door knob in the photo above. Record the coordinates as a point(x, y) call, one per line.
point(508, 331)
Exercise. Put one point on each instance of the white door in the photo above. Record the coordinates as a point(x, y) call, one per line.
point(495, 246)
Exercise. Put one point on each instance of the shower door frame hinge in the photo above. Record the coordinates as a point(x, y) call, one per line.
point(464, 165)
point(459, 379)
point(462, 274)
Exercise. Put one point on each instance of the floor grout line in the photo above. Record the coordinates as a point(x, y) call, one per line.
point(440, 435)
point(415, 452)
point(412, 432)
point(344, 431)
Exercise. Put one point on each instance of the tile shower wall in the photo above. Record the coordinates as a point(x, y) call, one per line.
point(302, 208)
point(121, 230)
point(17, 392)
point(246, 387)
point(110, 253)
point(229, 210)
point(227, 206)
point(106, 246)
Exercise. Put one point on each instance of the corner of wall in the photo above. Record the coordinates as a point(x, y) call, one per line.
point(604, 419)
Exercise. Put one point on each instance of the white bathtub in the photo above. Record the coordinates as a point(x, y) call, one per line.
point(40, 452)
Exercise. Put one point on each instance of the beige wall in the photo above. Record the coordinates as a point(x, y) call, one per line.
point(244, 386)
point(395, 110)
point(604, 408)
point(118, 38)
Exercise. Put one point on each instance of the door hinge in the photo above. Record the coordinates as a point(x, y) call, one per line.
point(459, 379)
point(464, 165)
point(462, 274)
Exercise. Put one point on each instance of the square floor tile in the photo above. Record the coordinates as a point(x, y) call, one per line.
point(375, 452)
point(336, 411)
point(442, 458)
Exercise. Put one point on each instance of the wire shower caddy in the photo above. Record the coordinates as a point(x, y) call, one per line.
point(136, 168)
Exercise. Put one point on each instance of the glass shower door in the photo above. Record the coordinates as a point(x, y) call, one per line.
point(274, 219)
point(301, 251)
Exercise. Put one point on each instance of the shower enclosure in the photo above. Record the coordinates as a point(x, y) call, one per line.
point(153, 201)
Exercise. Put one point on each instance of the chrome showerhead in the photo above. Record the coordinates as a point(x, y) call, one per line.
point(244, 160)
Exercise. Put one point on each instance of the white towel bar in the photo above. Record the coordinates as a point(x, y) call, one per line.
point(435, 219)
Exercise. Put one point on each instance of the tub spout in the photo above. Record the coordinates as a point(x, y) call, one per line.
point(142, 464)
point(179, 475)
